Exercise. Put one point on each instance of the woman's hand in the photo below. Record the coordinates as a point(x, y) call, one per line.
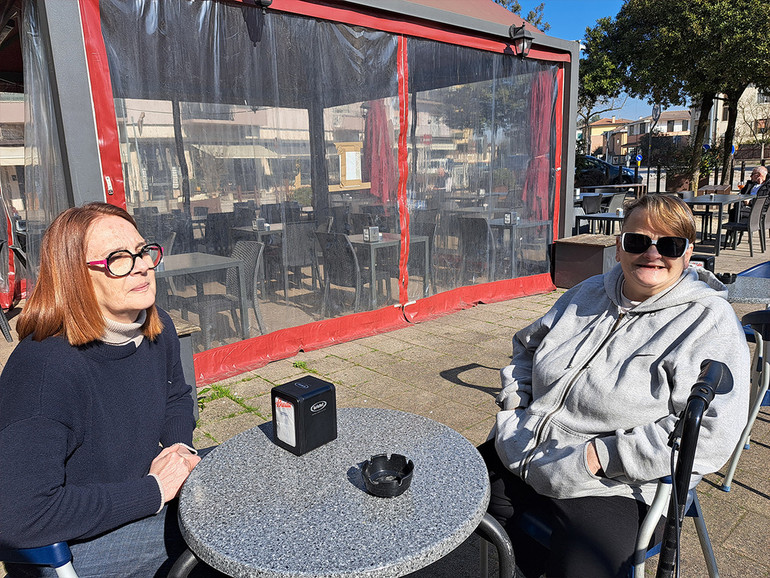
point(592, 457)
point(172, 466)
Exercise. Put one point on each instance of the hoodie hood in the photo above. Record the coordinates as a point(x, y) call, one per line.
point(694, 284)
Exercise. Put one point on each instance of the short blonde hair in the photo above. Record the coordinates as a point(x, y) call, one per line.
point(63, 301)
point(665, 212)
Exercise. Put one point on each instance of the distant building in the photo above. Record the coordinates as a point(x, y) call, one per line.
point(672, 123)
point(596, 131)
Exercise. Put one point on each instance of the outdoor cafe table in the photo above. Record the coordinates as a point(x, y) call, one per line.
point(389, 240)
point(719, 201)
point(191, 263)
point(749, 290)
point(610, 218)
point(639, 189)
point(251, 508)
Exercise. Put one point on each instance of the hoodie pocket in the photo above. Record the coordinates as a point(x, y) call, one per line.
point(515, 437)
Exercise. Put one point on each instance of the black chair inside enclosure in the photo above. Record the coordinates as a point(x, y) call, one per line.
point(208, 306)
point(299, 251)
point(592, 204)
point(292, 212)
point(358, 221)
point(386, 223)
point(243, 216)
point(426, 228)
point(477, 248)
point(753, 224)
point(325, 224)
point(341, 267)
point(270, 212)
point(341, 222)
point(218, 238)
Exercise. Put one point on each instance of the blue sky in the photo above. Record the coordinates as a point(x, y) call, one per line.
point(569, 20)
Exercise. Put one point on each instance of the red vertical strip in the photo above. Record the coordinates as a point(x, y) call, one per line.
point(403, 167)
point(104, 105)
point(559, 114)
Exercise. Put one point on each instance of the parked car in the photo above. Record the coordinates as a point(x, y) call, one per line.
point(590, 171)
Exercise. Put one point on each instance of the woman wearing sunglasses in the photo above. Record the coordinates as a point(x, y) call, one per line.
point(594, 390)
point(96, 419)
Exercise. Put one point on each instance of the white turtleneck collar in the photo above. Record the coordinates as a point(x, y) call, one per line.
point(116, 333)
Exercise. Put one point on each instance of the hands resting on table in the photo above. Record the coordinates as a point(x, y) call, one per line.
point(172, 466)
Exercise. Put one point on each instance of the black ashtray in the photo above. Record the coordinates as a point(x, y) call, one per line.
point(387, 476)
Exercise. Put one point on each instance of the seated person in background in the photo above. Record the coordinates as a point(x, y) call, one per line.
point(594, 390)
point(96, 419)
point(758, 176)
point(756, 186)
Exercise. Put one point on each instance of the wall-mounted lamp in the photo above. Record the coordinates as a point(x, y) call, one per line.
point(522, 39)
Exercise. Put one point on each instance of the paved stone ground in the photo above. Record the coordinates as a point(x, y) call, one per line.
point(447, 369)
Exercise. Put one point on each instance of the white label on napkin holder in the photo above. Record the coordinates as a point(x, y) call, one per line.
point(284, 422)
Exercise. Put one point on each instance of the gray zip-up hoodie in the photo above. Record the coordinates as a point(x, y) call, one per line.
point(584, 372)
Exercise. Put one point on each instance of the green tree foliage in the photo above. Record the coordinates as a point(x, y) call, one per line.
point(600, 83)
point(680, 51)
point(535, 16)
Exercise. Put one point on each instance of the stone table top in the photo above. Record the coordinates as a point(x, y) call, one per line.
point(749, 290)
point(251, 508)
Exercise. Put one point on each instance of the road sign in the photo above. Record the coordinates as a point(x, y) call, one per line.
point(655, 112)
point(639, 158)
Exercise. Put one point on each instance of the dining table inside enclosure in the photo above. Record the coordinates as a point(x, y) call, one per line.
point(193, 263)
point(720, 202)
point(251, 508)
point(374, 248)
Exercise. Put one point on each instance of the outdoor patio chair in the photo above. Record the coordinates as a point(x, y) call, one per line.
point(759, 323)
point(299, 251)
point(540, 531)
point(342, 267)
point(592, 204)
point(753, 225)
point(57, 556)
point(207, 306)
point(478, 248)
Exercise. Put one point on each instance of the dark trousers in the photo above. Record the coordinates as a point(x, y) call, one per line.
point(592, 536)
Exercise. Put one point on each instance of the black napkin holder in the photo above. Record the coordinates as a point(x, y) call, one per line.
point(304, 414)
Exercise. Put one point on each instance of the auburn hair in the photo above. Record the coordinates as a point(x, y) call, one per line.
point(667, 212)
point(63, 302)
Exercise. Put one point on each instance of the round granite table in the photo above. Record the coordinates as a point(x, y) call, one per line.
point(251, 508)
point(749, 290)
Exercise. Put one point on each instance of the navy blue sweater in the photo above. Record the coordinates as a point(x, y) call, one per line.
point(79, 427)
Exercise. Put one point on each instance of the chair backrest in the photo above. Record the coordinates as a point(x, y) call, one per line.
point(360, 220)
point(291, 211)
point(299, 244)
point(616, 202)
point(757, 208)
point(200, 211)
point(341, 223)
point(340, 260)
point(592, 204)
point(475, 236)
point(217, 237)
point(325, 224)
point(759, 322)
point(243, 215)
point(270, 212)
point(251, 253)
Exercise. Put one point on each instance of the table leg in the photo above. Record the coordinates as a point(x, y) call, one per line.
point(183, 565)
point(491, 530)
point(372, 276)
point(514, 238)
point(718, 234)
point(244, 301)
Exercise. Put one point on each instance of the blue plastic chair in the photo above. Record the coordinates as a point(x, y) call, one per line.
point(539, 531)
point(57, 556)
point(759, 324)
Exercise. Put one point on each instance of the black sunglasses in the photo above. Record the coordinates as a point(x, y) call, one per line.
point(673, 247)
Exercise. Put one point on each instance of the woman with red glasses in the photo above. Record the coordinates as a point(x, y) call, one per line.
point(594, 390)
point(96, 419)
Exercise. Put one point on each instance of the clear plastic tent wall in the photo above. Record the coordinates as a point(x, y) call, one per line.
point(281, 141)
